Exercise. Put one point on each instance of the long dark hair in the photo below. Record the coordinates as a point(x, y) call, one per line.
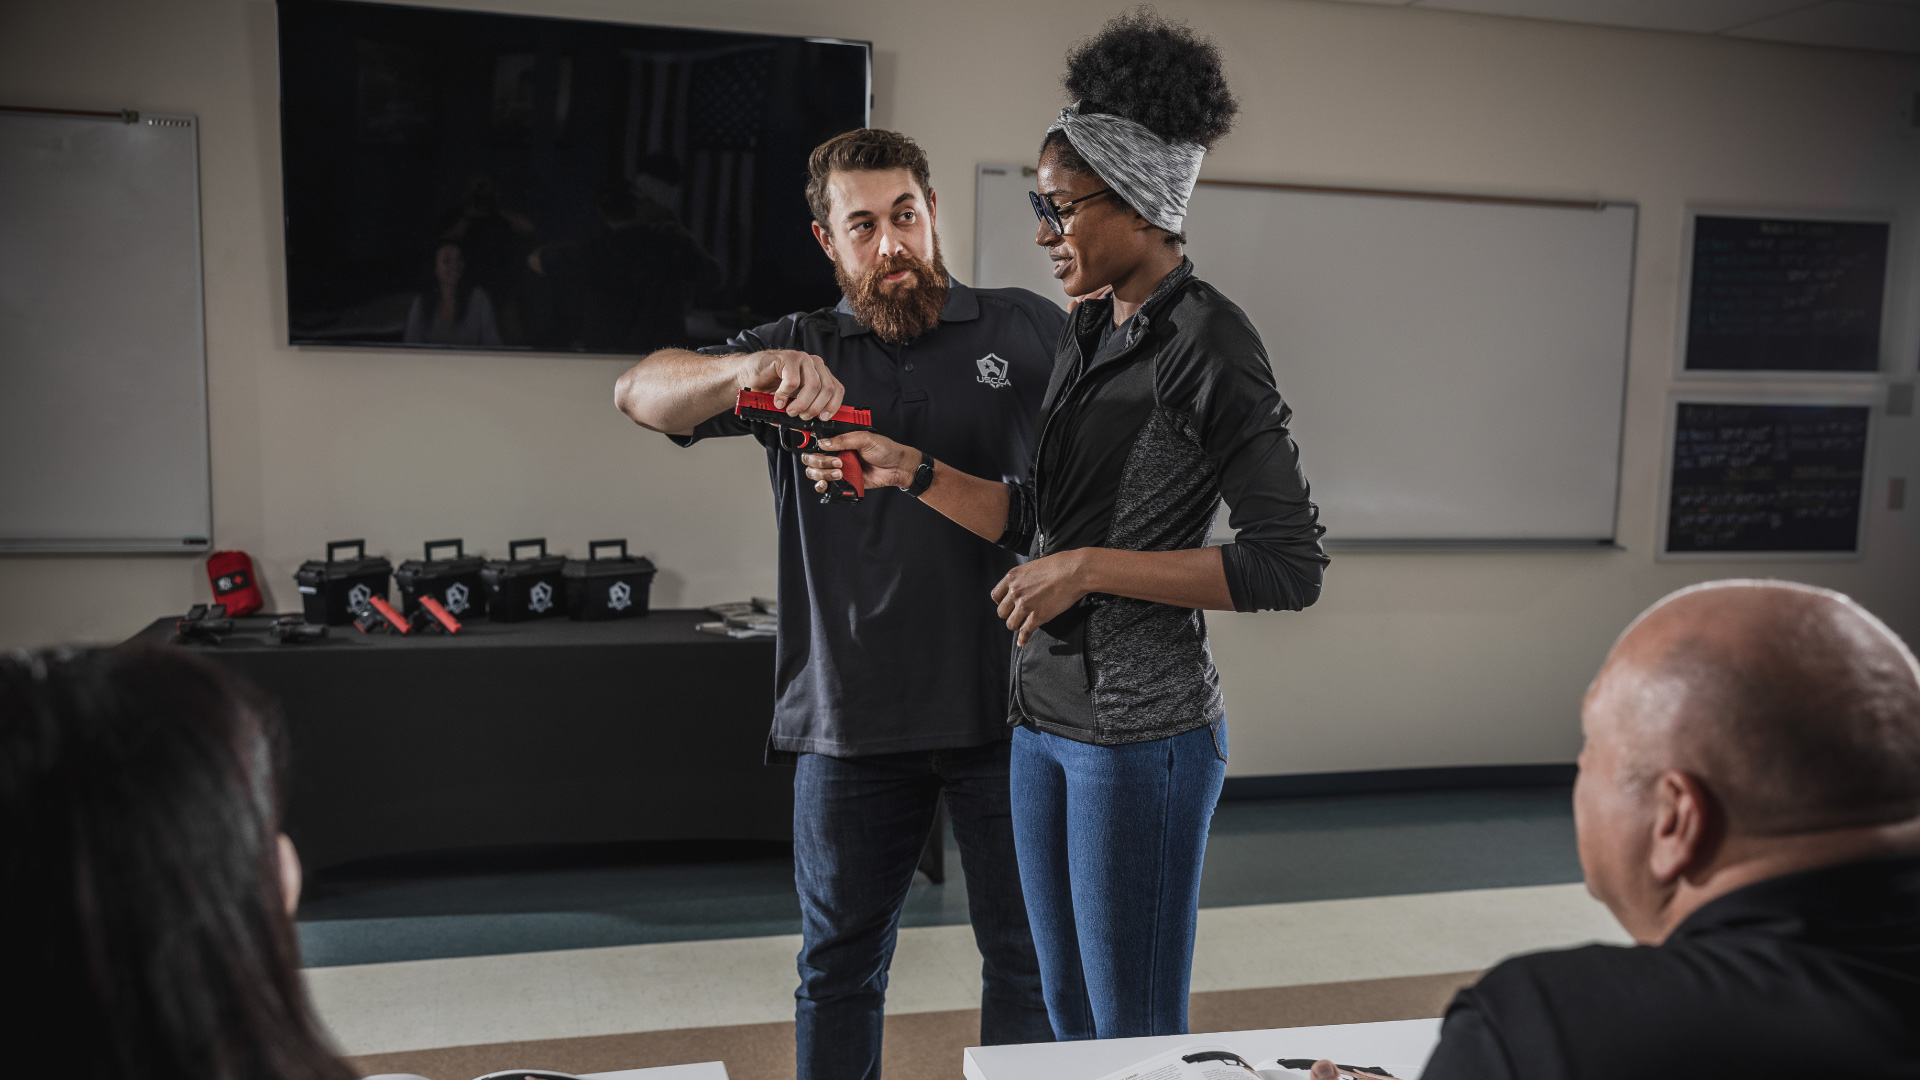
point(462, 289)
point(146, 932)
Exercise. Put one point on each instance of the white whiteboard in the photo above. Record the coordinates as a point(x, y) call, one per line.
point(1457, 369)
point(103, 380)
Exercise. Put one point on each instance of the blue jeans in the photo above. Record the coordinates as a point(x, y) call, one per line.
point(859, 825)
point(1111, 841)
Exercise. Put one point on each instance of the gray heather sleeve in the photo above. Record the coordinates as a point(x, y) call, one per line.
point(1275, 561)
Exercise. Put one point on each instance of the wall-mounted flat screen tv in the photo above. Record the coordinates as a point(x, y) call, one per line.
point(474, 181)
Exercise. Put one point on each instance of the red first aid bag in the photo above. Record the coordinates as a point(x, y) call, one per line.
point(231, 573)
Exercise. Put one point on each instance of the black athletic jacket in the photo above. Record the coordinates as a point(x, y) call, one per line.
point(1138, 444)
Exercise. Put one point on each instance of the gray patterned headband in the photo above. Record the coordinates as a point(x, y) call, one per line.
point(1154, 176)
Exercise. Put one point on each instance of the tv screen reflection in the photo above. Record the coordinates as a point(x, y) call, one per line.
point(474, 181)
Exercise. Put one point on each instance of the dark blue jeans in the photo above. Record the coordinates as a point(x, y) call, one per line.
point(1111, 841)
point(859, 825)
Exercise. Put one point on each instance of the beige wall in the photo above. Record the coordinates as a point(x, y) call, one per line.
point(1409, 660)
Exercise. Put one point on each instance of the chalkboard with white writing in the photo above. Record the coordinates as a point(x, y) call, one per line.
point(1785, 478)
point(1772, 294)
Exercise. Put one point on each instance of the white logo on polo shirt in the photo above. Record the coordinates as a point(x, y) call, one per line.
point(993, 371)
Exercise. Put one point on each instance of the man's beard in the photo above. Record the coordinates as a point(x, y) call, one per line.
point(897, 311)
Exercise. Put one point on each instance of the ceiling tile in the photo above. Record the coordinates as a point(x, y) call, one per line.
point(1702, 16)
point(1845, 23)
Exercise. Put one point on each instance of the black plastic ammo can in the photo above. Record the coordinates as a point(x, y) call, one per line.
point(521, 589)
point(615, 587)
point(454, 582)
point(330, 590)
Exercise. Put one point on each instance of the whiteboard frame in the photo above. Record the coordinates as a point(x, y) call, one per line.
point(186, 545)
point(1871, 397)
point(1884, 363)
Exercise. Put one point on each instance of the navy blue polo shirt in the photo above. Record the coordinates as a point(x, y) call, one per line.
point(888, 639)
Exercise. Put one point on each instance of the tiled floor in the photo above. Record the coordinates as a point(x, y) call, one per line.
point(377, 1008)
point(1259, 852)
point(1296, 892)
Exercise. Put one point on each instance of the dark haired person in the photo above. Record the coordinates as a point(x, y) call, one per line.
point(1161, 403)
point(891, 677)
point(147, 888)
point(452, 311)
point(1749, 808)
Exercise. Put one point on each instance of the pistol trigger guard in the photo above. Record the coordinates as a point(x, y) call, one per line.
point(806, 438)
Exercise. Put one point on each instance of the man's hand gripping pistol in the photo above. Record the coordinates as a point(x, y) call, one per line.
point(758, 407)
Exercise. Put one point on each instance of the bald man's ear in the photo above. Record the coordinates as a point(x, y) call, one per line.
point(1687, 826)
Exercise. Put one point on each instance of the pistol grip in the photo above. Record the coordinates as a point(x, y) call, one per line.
point(852, 485)
point(850, 469)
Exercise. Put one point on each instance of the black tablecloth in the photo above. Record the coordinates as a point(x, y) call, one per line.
point(520, 733)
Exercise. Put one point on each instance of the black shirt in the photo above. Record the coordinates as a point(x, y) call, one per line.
point(1146, 427)
point(1814, 974)
point(888, 639)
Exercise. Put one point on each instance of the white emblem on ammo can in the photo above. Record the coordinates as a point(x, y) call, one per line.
point(619, 596)
point(540, 597)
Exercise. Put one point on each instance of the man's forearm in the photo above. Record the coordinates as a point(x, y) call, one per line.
point(978, 505)
point(673, 390)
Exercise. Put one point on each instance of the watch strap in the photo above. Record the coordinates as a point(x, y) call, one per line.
point(922, 476)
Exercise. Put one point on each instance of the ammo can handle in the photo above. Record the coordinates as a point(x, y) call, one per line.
point(514, 546)
point(594, 546)
point(459, 548)
point(359, 547)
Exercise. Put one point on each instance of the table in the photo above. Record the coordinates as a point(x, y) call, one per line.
point(1399, 1046)
point(706, 1070)
point(542, 732)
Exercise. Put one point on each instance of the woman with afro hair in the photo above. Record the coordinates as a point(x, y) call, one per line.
point(1161, 404)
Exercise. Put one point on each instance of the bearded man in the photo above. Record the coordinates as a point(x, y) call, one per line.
point(891, 674)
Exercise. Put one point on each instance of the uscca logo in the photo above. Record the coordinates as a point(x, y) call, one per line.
point(993, 371)
point(540, 597)
point(358, 596)
point(619, 597)
point(456, 598)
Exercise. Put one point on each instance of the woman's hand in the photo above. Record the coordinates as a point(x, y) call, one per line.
point(886, 463)
point(1037, 592)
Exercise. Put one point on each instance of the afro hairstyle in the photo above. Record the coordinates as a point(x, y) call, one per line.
point(1157, 73)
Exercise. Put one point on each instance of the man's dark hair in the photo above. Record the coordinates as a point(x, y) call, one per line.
point(140, 802)
point(1159, 74)
point(861, 150)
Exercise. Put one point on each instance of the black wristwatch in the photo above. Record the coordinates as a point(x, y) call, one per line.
point(922, 476)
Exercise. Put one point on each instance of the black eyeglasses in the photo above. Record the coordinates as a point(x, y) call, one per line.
point(1049, 213)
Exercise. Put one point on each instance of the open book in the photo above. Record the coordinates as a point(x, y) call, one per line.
point(1202, 1062)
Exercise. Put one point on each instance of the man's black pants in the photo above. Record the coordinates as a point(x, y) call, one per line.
point(859, 827)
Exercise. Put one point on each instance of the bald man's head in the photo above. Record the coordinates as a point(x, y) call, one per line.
point(1796, 708)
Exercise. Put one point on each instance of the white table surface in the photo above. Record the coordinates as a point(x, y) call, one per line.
point(1399, 1046)
point(706, 1070)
